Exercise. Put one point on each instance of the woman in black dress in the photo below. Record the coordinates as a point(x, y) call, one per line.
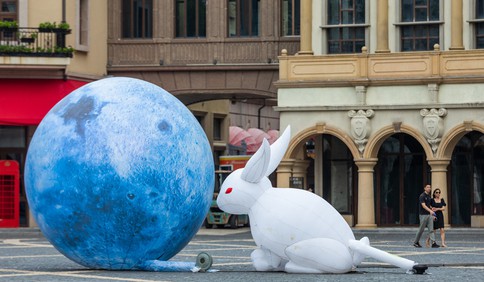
point(438, 205)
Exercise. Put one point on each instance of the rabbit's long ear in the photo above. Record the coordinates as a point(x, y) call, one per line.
point(256, 167)
point(278, 149)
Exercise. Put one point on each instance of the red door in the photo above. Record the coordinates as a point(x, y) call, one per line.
point(9, 193)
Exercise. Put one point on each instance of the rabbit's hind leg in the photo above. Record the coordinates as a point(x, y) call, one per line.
point(318, 255)
point(265, 260)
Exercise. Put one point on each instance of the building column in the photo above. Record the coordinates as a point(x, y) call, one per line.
point(456, 29)
point(439, 180)
point(300, 170)
point(284, 171)
point(306, 27)
point(382, 27)
point(366, 199)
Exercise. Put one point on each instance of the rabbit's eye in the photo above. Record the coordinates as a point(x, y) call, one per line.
point(229, 190)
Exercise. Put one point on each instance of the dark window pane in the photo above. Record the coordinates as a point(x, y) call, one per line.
point(202, 18)
point(347, 47)
point(360, 33)
point(347, 4)
point(333, 33)
point(359, 45)
point(420, 32)
point(291, 17)
point(333, 47)
point(433, 30)
point(421, 45)
point(333, 12)
point(480, 29)
point(126, 14)
point(480, 9)
point(180, 18)
point(407, 31)
point(434, 10)
point(347, 17)
point(148, 19)
point(407, 45)
point(346, 33)
point(407, 10)
point(297, 17)
point(255, 18)
point(190, 18)
point(286, 17)
point(480, 35)
point(419, 37)
point(360, 12)
point(137, 18)
point(9, 6)
point(232, 18)
point(421, 14)
point(244, 17)
point(347, 39)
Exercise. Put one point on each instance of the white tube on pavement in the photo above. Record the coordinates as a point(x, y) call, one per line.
point(380, 255)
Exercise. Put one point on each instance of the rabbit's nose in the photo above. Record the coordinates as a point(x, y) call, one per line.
point(229, 190)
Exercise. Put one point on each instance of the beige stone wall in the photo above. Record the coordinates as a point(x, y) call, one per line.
point(89, 64)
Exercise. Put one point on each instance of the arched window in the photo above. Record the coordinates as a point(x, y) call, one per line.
point(467, 185)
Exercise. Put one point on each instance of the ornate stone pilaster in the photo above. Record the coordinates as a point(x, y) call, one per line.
point(382, 27)
point(306, 28)
point(360, 94)
point(366, 197)
point(433, 90)
point(456, 25)
point(360, 127)
point(284, 171)
point(439, 180)
point(433, 125)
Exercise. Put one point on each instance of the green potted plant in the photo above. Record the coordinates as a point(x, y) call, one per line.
point(8, 26)
point(64, 26)
point(47, 26)
point(28, 37)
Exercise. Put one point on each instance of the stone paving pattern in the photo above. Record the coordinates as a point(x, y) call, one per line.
point(25, 255)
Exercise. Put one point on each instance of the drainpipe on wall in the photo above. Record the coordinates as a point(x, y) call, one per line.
point(258, 114)
point(63, 11)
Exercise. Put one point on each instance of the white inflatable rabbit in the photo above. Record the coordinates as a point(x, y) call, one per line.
point(295, 231)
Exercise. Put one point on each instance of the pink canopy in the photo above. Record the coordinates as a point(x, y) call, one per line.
point(252, 137)
point(274, 134)
point(237, 135)
point(258, 136)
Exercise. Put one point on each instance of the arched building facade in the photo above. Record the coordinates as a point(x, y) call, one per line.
point(371, 128)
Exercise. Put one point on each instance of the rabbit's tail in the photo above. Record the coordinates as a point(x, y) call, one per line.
point(362, 248)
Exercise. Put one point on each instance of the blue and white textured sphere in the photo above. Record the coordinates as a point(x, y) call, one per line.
point(119, 172)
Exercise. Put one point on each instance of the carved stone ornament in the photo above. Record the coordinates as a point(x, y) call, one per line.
point(433, 125)
point(360, 127)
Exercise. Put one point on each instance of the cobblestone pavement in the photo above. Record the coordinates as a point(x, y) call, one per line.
point(25, 255)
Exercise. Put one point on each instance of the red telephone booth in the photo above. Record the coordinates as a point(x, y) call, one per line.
point(9, 193)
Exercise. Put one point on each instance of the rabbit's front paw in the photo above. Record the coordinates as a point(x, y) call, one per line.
point(265, 260)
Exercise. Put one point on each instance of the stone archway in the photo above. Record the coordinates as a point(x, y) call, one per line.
point(463, 174)
point(366, 193)
point(328, 169)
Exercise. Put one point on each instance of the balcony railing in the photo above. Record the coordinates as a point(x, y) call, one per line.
point(34, 42)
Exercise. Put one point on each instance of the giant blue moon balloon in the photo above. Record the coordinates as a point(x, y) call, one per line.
point(118, 173)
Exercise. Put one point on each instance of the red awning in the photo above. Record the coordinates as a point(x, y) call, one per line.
point(27, 101)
